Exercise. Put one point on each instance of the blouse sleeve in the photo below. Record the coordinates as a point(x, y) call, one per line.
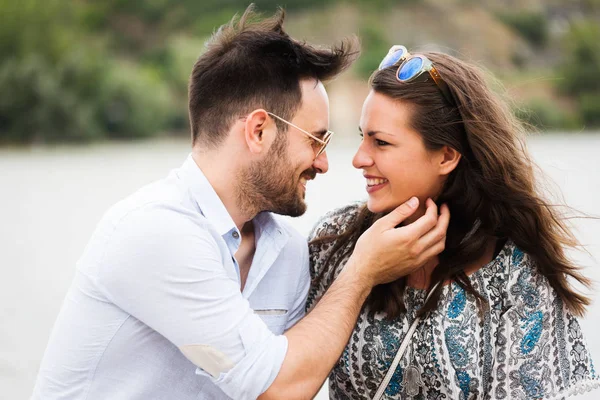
point(546, 354)
point(322, 270)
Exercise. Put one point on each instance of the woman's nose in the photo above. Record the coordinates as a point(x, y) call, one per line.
point(362, 158)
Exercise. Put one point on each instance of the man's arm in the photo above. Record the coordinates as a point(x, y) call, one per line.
point(382, 254)
point(298, 310)
point(162, 267)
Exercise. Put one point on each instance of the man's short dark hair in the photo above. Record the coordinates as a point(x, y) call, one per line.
point(251, 63)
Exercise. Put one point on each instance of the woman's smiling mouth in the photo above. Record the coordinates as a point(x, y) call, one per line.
point(375, 183)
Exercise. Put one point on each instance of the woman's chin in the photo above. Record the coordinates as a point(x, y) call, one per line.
point(387, 207)
point(377, 208)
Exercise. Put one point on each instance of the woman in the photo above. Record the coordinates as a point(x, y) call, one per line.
point(500, 319)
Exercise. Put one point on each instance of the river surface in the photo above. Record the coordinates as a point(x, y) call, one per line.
point(52, 198)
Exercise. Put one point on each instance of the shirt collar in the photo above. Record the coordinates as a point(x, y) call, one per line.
point(205, 196)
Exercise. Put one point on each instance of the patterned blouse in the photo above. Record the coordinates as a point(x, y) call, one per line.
point(525, 345)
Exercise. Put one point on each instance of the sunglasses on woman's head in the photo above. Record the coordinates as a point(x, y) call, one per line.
point(412, 67)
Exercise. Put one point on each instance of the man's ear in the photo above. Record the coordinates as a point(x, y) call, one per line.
point(259, 130)
point(450, 158)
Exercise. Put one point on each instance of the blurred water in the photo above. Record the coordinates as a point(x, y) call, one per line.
point(52, 198)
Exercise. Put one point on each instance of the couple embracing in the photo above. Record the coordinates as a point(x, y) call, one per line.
point(450, 282)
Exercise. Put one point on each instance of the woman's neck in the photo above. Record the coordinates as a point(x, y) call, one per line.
point(421, 278)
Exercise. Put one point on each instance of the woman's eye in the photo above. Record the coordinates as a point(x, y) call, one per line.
point(381, 142)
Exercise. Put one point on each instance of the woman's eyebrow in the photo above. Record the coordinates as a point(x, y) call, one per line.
point(371, 133)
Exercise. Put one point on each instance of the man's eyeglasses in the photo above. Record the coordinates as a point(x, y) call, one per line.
point(412, 66)
point(318, 144)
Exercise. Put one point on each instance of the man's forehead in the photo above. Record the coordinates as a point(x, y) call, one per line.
point(313, 113)
point(314, 95)
point(311, 84)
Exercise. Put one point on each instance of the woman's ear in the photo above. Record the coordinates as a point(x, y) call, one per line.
point(258, 130)
point(449, 160)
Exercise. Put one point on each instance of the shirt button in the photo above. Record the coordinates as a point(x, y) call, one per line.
point(235, 235)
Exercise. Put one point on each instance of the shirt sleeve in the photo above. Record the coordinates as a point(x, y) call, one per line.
point(165, 270)
point(298, 310)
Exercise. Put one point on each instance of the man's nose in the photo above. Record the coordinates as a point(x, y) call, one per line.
point(321, 163)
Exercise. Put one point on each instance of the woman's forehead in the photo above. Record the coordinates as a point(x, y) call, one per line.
point(384, 113)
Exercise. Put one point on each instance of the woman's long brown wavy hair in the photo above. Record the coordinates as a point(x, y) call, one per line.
point(491, 193)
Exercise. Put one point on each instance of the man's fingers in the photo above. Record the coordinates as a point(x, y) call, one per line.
point(431, 252)
point(425, 223)
point(438, 232)
point(400, 213)
point(434, 242)
point(444, 219)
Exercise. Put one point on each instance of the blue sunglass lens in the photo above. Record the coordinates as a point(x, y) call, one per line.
point(391, 59)
point(410, 69)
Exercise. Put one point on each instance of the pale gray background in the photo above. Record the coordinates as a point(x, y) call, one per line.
point(52, 198)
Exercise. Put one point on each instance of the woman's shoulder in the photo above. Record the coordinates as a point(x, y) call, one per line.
point(510, 276)
point(335, 221)
point(540, 326)
point(326, 255)
point(515, 282)
point(524, 276)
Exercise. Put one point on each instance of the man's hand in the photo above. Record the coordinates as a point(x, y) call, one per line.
point(382, 254)
point(385, 253)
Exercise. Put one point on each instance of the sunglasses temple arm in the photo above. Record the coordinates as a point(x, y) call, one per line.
point(443, 86)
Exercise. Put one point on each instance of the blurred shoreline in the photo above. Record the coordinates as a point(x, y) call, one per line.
point(116, 69)
point(183, 138)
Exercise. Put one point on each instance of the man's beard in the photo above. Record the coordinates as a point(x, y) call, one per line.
point(271, 184)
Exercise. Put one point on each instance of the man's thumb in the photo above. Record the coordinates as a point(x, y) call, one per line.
point(401, 212)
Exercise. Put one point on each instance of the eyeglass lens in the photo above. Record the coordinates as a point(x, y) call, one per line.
point(391, 59)
point(410, 69)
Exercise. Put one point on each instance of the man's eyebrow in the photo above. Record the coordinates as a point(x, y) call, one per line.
point(320, 133)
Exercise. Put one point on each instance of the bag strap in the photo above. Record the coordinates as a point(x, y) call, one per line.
point(388, 376)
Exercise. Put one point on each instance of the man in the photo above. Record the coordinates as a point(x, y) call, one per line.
point(188, 288)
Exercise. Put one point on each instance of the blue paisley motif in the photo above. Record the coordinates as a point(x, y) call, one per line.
point(458, 354)
point(530, 296)
point(532, 386)
point(534, 325)
point(527, 292)
point(390, 341)
point(517, 256)
point(464, 381)
point(394, 386)
point(390, 344)
point(458, 303)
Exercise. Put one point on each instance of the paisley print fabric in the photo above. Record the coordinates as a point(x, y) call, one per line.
point(524, 345)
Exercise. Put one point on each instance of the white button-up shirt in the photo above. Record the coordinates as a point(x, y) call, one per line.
point(155, 310)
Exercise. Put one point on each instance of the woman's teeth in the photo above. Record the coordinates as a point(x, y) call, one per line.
point(375, 181)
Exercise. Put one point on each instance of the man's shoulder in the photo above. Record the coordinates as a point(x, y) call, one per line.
point(155, 223)
point(164, 196)
point(285, 225)
point(162, 208)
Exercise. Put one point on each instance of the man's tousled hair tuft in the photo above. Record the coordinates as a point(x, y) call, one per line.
point(250, 63)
